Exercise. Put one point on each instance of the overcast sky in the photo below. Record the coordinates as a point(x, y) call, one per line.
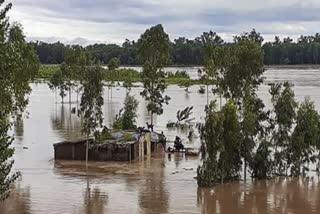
point(112, 21)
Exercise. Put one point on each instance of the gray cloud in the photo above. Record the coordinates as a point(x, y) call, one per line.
point(115, 20)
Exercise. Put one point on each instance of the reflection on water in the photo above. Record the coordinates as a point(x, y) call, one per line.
point(160, 185)
point(94, 202)
point(153, 195)
point(65, 123)
point(18, 129)
point(19, 201)
point(273, 196)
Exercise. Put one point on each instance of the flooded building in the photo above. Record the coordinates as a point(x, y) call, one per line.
point(109, 150)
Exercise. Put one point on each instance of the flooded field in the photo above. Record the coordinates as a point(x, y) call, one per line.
point(163, 184)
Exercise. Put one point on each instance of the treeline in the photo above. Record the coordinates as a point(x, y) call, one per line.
point(183, 51)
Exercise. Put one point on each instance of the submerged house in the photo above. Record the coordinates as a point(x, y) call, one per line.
point(117, 149)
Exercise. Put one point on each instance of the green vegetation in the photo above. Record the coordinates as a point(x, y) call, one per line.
point(91, 101)
point(185, 51)
point(279, 142)
point(51, 72)
point(183, 118)
point(126, 119)
point(19, 65)
point(47, 71)
point(153, 51)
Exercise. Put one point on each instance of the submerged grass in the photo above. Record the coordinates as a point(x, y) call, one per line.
point(180, 78)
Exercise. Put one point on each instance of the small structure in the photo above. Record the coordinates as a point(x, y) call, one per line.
point(145, 144)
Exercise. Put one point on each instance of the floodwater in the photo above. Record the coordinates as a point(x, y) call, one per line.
point(162, 184)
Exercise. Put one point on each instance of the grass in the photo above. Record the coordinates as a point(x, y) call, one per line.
point(180, 78)
point(47, 71)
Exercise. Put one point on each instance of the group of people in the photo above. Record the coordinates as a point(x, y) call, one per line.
point(178, 146)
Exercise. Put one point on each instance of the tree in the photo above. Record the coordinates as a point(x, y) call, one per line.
point(126, 118)
point(244, 67)
point(56, 82)
point(211, 140)
point(153, 50)
point(230, 157)
point(251, 125)
point(19, 65)
point(285, 114)
point(304, 138)
point(212, 61)
point(75, 62)
point(113, 64)
point(221, 146)
point(92, 101)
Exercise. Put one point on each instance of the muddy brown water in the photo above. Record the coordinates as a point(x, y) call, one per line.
point(161, 184)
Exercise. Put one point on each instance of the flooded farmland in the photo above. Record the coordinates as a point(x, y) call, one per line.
point(162, 184)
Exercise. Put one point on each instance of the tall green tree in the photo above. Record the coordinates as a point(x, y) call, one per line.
point(75, 62)
point(92, 101)
point(212, 61)
point(304, 138)
point(211, 139)
point(244, 67)
point(252, 119)
point(285, 114)
point(221, 146)
point(230, 156)
point(153, 50)
point(18, 66)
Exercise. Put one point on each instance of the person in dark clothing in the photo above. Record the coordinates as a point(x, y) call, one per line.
point(149, 127)
point(163, 140)
point(178, 144)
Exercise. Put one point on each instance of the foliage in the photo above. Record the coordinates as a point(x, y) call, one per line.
point(243, 69)
point(285, 114)
point(92, 99)
point(211, 136)
point(220, 135)
point(304, 138)
point(153, 50)
point(105, 134)
point(123, 74)
point(183, 51)
point(262, 163)
point(126, 119)
point(47, 71)
point(183, 115)
point(252, 119)
point(178, 74)
point(183, 119)
point(230, 158)
point(113, 64)
point(19, 65)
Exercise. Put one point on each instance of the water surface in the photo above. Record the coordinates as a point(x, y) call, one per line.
point(162, 184)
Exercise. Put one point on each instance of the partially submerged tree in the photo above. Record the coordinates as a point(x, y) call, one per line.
point(304, 138)
point(126, 119)
point(220, 137)
point(75, 62)
point(56, 82)
point(92, 101)
point(19, 65)
point(211, 138)
point(230, 157)
point(252, 118)
point(212, 61)
point(183, 118)
point(153, 49)
point(285, 114)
